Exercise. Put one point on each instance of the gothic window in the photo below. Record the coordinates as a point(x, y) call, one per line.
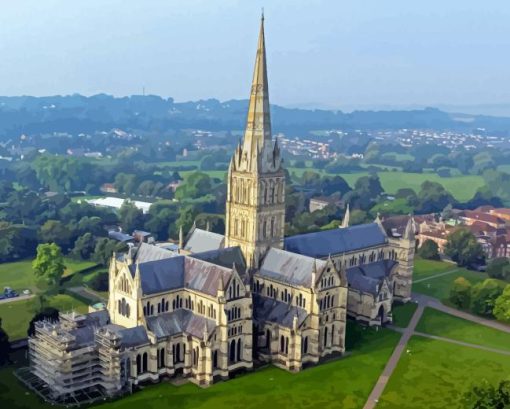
point(305, 345)
point(144, 362)
point(215, 359)
point(162, 357)
point(333, 334)
point(268, 339)
point(286, 345)
point(282, 344)
point(264, 229)
point(232, 354)
point(273, 233)
point(239, 349)
point(138, 364)
point(325, 336)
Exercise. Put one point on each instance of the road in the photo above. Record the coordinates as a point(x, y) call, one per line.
point(426, 301)
point(20, 298)
point(393, 361)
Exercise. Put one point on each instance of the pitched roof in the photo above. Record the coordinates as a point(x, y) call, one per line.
point(336, 241)
point(202, 240)
point(180, 272)
point(271, 310)
point(366, 278)
point(129, 337)
point(289, 267)
point(225, 257)
point(148, 252)
point(180, 321)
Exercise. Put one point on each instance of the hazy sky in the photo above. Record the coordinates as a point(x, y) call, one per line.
point(335, 53)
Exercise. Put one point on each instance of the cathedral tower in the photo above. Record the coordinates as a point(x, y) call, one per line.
point(255, 213)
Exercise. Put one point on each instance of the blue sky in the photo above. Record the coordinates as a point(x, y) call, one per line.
point(343, 54)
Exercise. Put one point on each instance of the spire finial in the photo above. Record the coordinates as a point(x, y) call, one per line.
point(262, 17)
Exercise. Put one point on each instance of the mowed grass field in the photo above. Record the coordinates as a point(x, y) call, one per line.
point(438, 323)
point(440, 286)
point(462, 187)
point(436, 375)
point(19, 274)
point(344, 383)
point(16, 315)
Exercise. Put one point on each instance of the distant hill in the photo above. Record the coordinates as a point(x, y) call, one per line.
point(77, 113)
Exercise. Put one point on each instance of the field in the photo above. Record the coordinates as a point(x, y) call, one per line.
point(16, 315)
point(402, 314)
point(439, 287)
point(19, 274)
point(461, 187)
point(436, 374)
point(435, 322)
point(342, 383)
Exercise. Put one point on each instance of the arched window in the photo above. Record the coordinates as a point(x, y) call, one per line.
point(286, 345)
point(215, 359)
point(282, 344)
point(162, 357)
point(268, 339)
point(144, 362)
point(138, 364)
point(325, 336)
point(232, 354)
point(333, 334)
point(238, 350)
point(178, 353)
point(305, 345)
point(272, 231)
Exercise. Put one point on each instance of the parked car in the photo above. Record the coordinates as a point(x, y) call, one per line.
point(10, 293)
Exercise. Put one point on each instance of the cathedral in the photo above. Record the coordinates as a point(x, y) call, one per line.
point(222, 304)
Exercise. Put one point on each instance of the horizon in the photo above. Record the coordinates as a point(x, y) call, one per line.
point(450, 54)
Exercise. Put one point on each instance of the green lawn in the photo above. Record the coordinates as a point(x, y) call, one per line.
point(19, 274)
point(402, 314)
point(342, 383)
point(16, 315)
point(435, 322)
point(461, 187)
point(439, 287)
point(425, 268)
point(436, 374)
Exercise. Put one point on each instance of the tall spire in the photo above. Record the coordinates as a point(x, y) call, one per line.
point(258, 123)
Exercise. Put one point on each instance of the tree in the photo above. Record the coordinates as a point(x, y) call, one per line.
point(433, 197)
point(54, 231)
point(196, 185)
point(429, 250)
point(5, 346)
point(484, 295)
point(45, 314)
point(84, 246)
point(335, 184)
point(502, 306)
point(487, 396)
point(49, 263)
point(104, 250)
point(499, 268)
point(462, 247)
point(460, 294)
point(130, 216)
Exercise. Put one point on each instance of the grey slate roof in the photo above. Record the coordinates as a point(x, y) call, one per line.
point(336, 241)
point(129, 337)
point(367, 277)
point(119, 236)
point(181, 272)
point(225, 257)
point(266, 309)
point(148, 252)
point(180, 321)
point(202, 240)
point(290, 268)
